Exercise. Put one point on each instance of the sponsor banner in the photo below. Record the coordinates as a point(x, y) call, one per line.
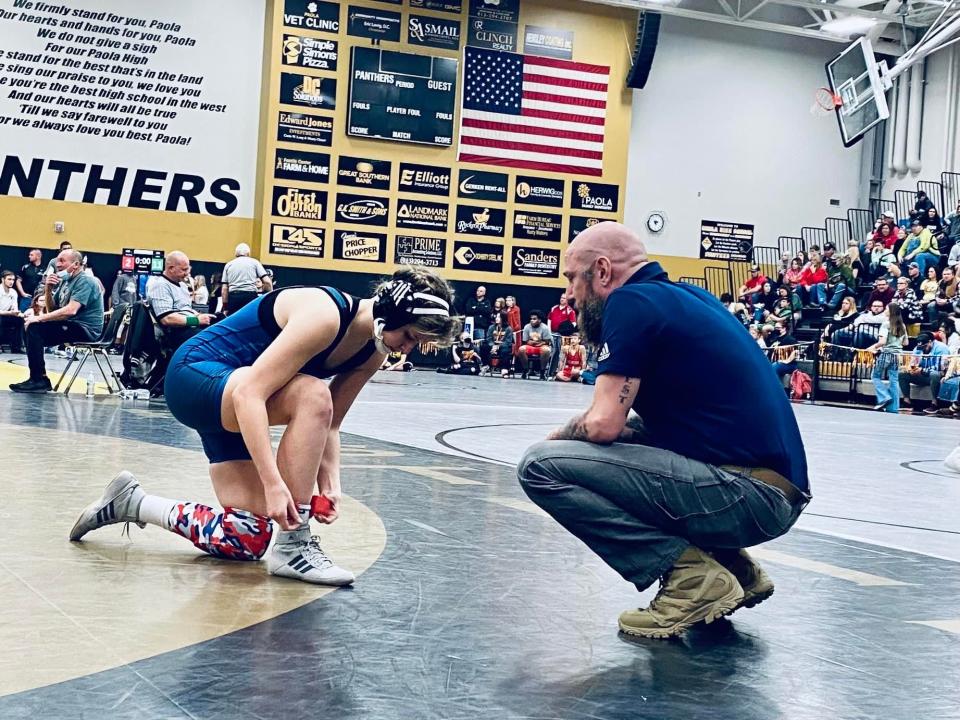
point(363, 173)
point(726, 240)
point(308, 52)
point(503, 10)
point(599, 197)
point(449, 6)
point(548, 41)
point(401, 96)
point(478, 185)
point(295, 203)
point(477, 256)
point(480, 220)
point(535, 225)
point(417, 250)
point(303, 128)
point(359, 245)
point(422, 214)
point(535, 262)
point(539, 191)
point(578, 224)
point(362, 209)
point(433, 32)
point(312, 15)
point(313, 92)
point(373, 23)
point(303, 166)
point(426, 179)
point(492, 34)
point(294, 240)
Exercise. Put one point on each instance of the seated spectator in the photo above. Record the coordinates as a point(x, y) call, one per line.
point(880, 262)
point(945, 296)
point(922, 205)
point(857, 267)
point(919, 248)
point(909, 303)
point(38, 306)
point(886, 366)
point(953, 259)
point(950, 388)
point(89, 271)
point(763, 334)
point(499, 344)
point(843, 318)
point(752, 286)
point(934, 223)
point(170, 302)
point(124, 289)
point(11, 321)
point(951, 238)
point(947, 334)
point(52, 265)
point(573, 360)
point(783, 267)
point(558, 315)
point(840, 283)
point(784, 352)
point(829, 258)
point(75, 315)
point(29, 278)
point(764, 302)
point(928, 286)
point(881, 291)
point(925, 369)
point(885, 236)
point(536, 343)
point(865, 329)
point(396, 362)
point(737, 309)
point(813, 283)
point(201, 296)
point(902, 236)
point(793, 302)
point(794, 273)
point(465, 360)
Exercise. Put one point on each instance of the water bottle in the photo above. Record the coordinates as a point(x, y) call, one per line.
point(91, 385)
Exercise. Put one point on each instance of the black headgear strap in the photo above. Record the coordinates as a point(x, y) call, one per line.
point(398, 305)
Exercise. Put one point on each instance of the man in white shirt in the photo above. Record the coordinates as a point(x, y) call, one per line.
point(239, 279)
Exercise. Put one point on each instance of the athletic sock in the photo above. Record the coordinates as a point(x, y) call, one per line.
point(302, 533)
point(156, 510)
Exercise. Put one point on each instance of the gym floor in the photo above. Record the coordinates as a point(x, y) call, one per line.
point(470, 602)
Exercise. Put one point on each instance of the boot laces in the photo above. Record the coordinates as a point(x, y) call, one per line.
point(314, 554)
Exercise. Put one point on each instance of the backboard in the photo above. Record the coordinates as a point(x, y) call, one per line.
point(854, 76)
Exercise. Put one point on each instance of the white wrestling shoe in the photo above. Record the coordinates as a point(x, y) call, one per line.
point(119, 503)
point(952, 461)
point(306, 561)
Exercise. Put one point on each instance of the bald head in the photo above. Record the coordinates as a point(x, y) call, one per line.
point(176, 266)
point(613, 251)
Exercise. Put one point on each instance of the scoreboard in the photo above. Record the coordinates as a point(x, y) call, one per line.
point(401, 96)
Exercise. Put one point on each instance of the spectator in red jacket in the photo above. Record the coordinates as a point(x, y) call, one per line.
point(813, 283)
point(558, 315)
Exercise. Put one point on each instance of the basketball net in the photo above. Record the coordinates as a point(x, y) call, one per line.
point(824, 102)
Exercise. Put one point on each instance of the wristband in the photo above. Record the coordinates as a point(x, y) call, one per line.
point(193, 321)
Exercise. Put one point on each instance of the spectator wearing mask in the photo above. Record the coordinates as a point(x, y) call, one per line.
point(886, 367)
point(11, 322)
point(170, 301)
point(842, 319)
point(945, 296)
point(239, 280)
point(558, 315)
point(124, 289)
point(52, 265)
point(925, 369)
point(573, 360)
point(881, 291)
point(537, 343)
point(499, 344)
point(75, 315)
point(909, 303)
point(29, 279)
point(752, 286)
point(813, 283)
point(919, 248)
point(479, 308)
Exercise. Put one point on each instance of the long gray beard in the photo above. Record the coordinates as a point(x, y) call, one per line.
point(591, 319)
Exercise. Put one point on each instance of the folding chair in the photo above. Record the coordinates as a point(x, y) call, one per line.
point(82, 351)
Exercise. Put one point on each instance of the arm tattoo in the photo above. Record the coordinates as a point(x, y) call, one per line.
point(576, 429)
point(625, 391)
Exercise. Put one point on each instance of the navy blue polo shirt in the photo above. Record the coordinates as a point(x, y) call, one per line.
point(707, 391)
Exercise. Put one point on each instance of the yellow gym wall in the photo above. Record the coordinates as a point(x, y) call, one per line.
point(603, 35)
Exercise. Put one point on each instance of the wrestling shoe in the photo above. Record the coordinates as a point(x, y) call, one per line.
point(119, 503)
point(757, 585)
point(696, 589)
point(306, 561)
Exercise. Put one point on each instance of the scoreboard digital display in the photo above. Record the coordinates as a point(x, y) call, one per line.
point(401, 96)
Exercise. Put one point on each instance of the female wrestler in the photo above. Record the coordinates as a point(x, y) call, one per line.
point(264, 366)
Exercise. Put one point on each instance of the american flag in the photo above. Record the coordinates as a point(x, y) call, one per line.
point(525, 111)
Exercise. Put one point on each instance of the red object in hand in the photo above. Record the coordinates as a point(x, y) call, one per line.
point(320, 506)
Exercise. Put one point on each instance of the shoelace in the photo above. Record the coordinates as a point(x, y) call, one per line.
point(126, 528)
point(315, 555)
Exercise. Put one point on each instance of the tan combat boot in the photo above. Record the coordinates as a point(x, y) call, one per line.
point(757, 585)
point(697, 588)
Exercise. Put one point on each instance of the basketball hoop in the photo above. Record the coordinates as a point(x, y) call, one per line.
point(825, 102)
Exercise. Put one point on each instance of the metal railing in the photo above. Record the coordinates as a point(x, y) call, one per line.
point(719, 280)
point(879, 206)
point(934, 191)
point(691, 280)
point(950, 185)
point(839, 232)
point(861, 223)
point(904, 200)
point(791, 244)
point(768, 258)
point(813, 236)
